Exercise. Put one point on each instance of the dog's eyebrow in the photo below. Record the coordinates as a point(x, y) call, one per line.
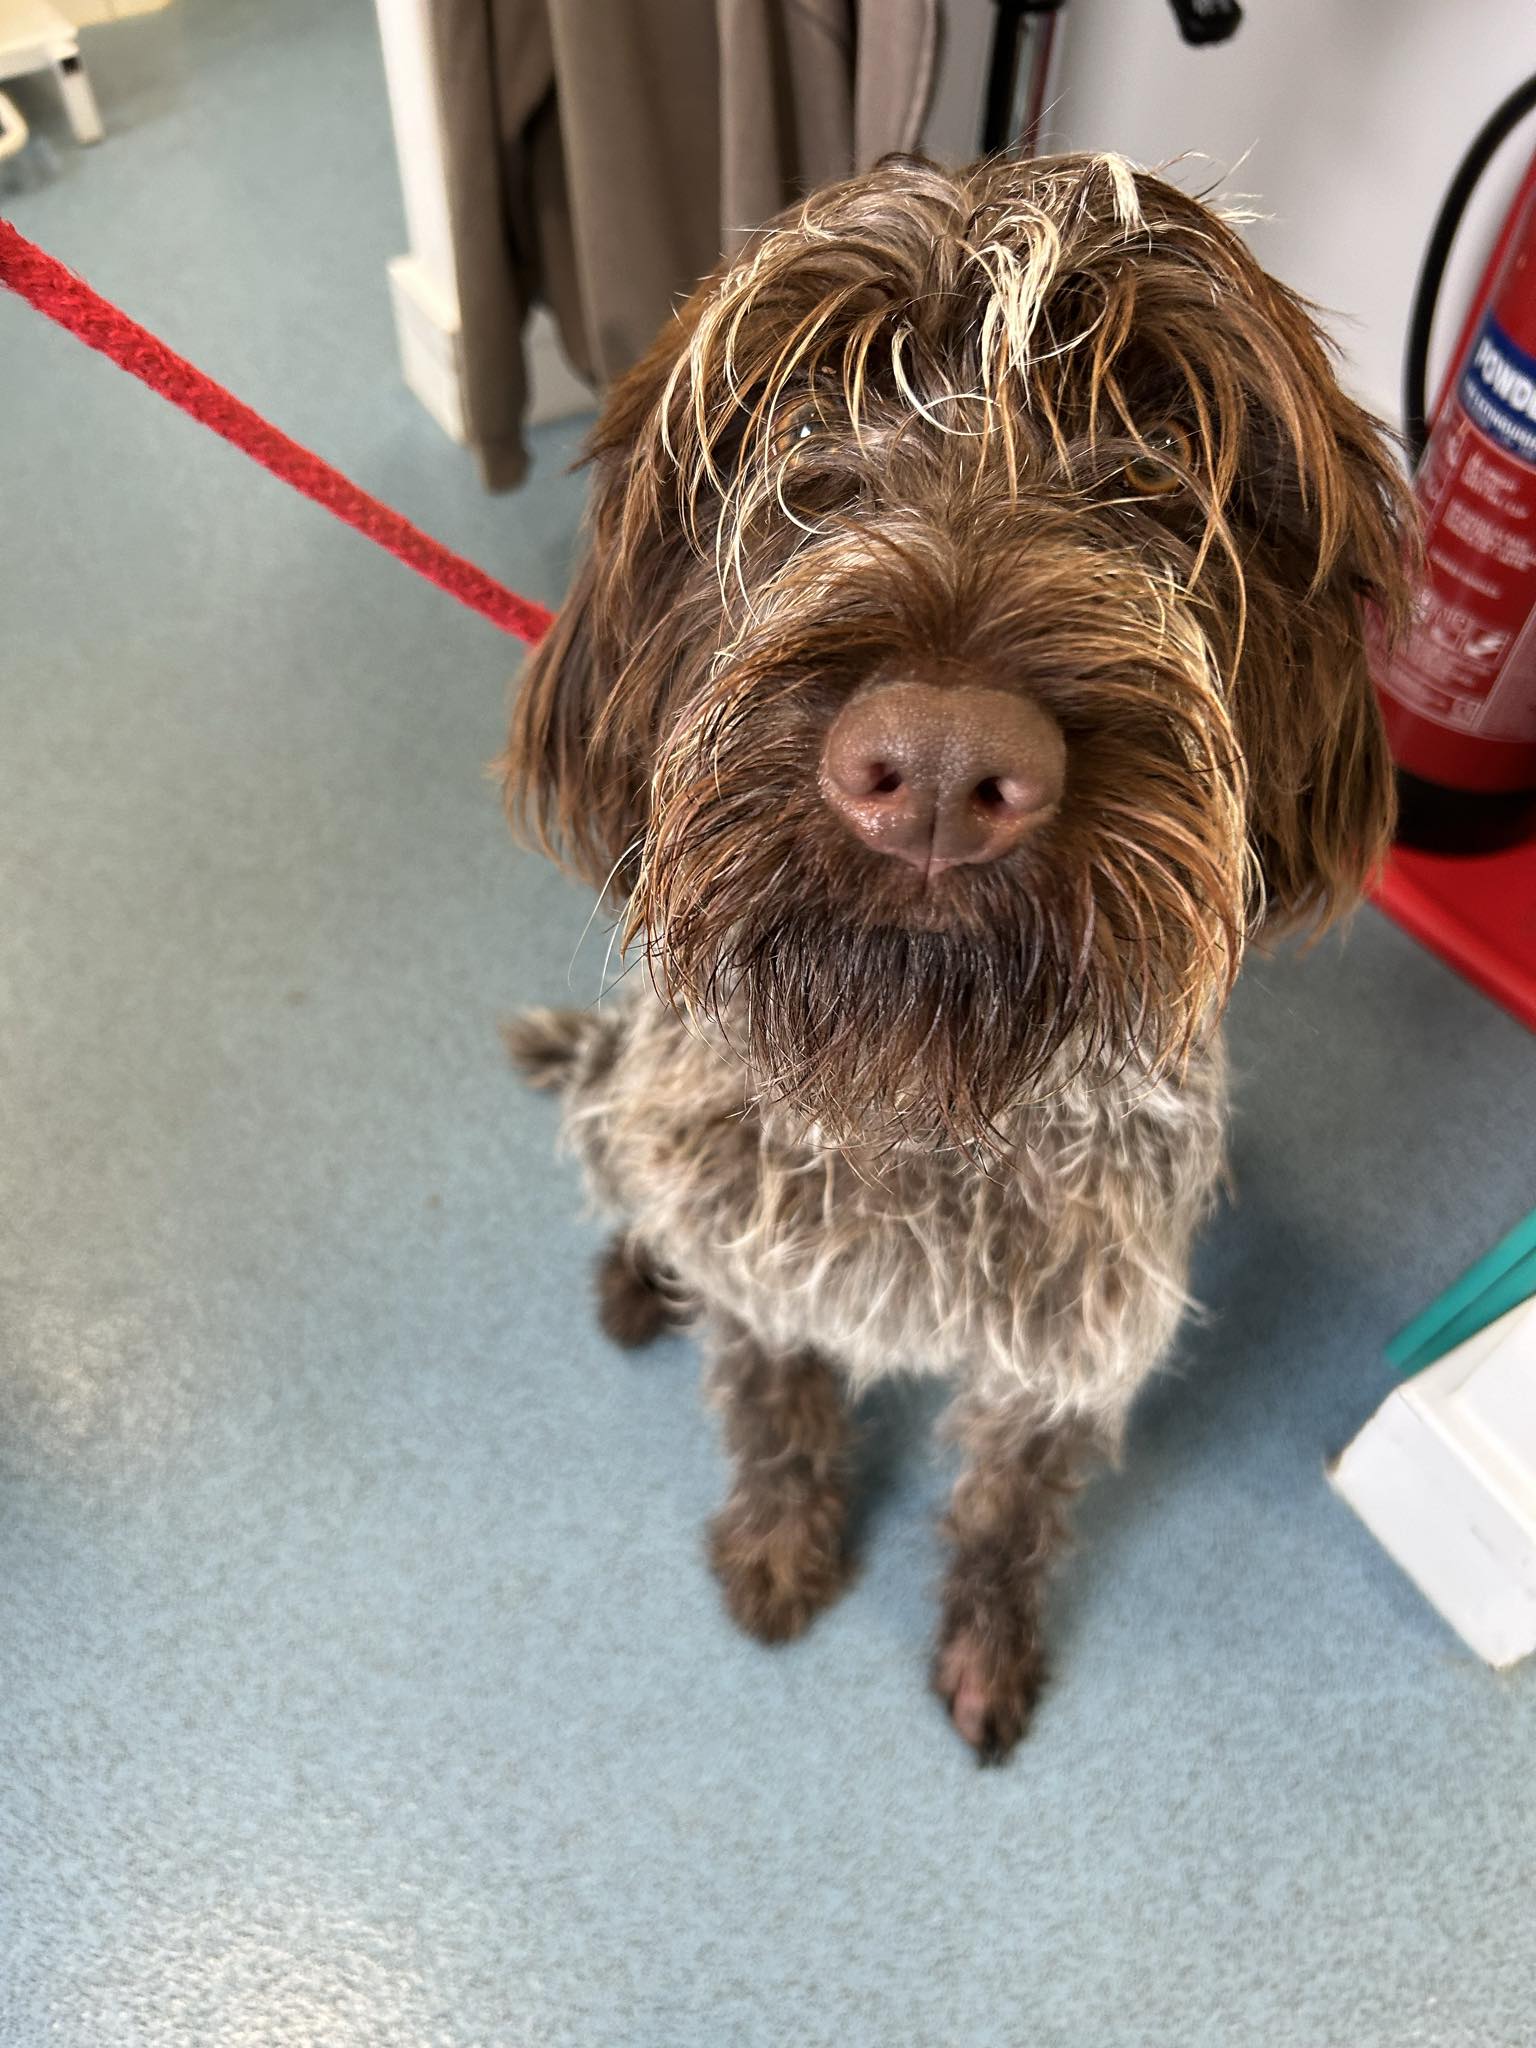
point(921, 407)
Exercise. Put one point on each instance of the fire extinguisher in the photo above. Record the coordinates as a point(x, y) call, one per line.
point(1459, 692)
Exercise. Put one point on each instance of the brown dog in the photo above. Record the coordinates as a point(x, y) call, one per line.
point(967, 657)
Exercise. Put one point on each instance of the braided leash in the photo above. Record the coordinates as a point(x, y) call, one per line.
point(67, 300)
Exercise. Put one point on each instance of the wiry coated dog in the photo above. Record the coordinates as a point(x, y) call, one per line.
point(968, 656)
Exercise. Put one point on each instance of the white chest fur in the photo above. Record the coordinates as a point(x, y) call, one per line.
point(1058, 1278)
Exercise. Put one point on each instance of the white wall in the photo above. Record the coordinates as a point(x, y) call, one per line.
point(1349, 117)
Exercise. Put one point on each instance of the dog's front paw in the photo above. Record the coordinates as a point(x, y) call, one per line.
point(778, 1573)
point(989, 1678)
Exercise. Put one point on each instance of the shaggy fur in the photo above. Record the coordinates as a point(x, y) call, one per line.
point(636, 1298)
point(1043, 428)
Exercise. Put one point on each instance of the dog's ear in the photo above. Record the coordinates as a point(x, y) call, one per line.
point(564, 786)
point(1321, 794)
point(587, 711)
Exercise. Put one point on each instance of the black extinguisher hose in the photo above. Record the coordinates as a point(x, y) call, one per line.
point(1426, 293)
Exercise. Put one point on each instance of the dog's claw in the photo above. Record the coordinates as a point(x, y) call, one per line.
point(990, 1694)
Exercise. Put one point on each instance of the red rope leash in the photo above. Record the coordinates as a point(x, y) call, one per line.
point(44, 283)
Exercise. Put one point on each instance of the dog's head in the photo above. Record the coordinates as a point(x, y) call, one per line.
point(969, 651)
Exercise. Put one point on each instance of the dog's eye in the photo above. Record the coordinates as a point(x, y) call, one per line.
point(805, 453)
point(1162, 466)
point(793, 432)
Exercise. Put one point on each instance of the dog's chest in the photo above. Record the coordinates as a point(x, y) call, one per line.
point(1056, 1267)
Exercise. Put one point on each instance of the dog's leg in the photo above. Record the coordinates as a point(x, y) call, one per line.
point(636, 1298)
point(778, 1546)
point(1006, 1525)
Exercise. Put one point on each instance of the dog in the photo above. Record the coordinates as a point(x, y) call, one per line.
point(968, 658)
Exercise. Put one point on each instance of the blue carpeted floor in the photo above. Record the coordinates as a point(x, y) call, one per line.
point(363, 1683)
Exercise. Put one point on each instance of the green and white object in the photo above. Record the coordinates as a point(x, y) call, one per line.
point(1500, 1281)
point(1444, 1473)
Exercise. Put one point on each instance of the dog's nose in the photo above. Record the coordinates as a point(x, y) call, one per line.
point(943, 777)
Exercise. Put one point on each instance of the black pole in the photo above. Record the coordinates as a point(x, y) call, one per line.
point(1003, 75)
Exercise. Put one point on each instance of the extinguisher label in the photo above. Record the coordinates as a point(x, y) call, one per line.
point(1498, 392)
point(1468, 662)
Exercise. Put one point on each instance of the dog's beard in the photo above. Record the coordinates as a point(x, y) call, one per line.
point(938, 1026)
point(891, 1034)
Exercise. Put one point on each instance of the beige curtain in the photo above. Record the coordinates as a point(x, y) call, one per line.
point(603, 153)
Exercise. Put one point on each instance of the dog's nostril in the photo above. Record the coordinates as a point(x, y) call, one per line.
point(886, 782)
point(1004, 796)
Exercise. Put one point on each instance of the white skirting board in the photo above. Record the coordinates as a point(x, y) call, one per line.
point(1444, 1476)
point(427, 327)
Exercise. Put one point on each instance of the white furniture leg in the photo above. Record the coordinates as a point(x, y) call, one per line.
point(13, 130)
point(35, 36)
point(79, 100)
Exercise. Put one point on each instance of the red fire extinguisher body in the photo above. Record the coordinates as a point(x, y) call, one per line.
point(1459, 693)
